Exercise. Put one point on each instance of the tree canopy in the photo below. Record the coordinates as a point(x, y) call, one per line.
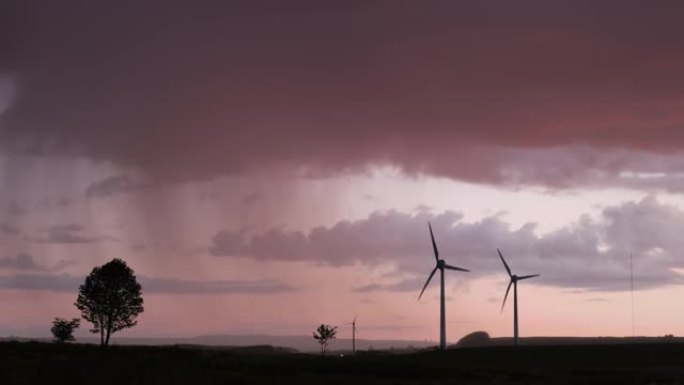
point(324, 334)
point(110, 299)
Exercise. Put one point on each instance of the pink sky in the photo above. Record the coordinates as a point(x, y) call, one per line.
point(266, 168)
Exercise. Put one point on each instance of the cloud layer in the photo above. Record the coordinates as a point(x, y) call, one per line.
point(588, 254)
point(68, 234)
point(21, 261)
point(117, 184)
point(26, 262)
point(490, 92)
point(151, 285)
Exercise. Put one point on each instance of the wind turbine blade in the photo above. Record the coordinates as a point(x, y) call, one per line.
point(354, 319)
point(508, 269)
point(528, 276)
point(434, 245)
point(455, 268)
point(506, 296)
point(427, 282)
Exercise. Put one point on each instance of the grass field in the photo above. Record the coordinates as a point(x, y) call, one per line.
point(45, 363)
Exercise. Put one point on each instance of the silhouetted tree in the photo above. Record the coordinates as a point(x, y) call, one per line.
point(63, 330)
point(110, 299)
point(324, 334)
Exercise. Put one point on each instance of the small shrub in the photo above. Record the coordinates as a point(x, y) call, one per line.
point(63, 330)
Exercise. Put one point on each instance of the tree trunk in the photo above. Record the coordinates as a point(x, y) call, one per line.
point(109, 333)
point(100, 325)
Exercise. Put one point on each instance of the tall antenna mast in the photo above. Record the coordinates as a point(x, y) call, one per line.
point(631, 283)
point(353, 324)
point(354, 336)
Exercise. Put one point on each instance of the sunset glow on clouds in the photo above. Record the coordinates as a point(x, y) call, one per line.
point(251, 162)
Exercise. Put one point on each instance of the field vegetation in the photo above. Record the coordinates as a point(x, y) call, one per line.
point(46, 363)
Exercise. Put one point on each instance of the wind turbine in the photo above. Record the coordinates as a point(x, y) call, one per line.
point(353, 324)
point(441, 265)
point(514, 281)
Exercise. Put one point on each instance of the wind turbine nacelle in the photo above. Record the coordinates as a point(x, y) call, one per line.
point(440, 264)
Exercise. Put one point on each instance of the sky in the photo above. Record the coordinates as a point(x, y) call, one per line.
point(268, 166)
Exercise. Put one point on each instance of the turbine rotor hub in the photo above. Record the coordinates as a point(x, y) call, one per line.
point(441, 263)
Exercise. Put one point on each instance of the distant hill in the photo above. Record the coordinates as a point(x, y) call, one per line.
point(483, 341)
point(308, 344)
point(586, 340)
point(298, 343)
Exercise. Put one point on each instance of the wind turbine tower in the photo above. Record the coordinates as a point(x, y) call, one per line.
point(440, 265)
point(514, 281)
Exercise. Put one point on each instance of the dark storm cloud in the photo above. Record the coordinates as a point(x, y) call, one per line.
point(49, 282)
point(588, 254)
point(13, 209)
point(27, 262)
point(8, 229)
point(483, 91)
point(69, 233)
point(117, 184)
point(151, 285)
point(177, 286)
point(253, 198)
point(20, 262)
